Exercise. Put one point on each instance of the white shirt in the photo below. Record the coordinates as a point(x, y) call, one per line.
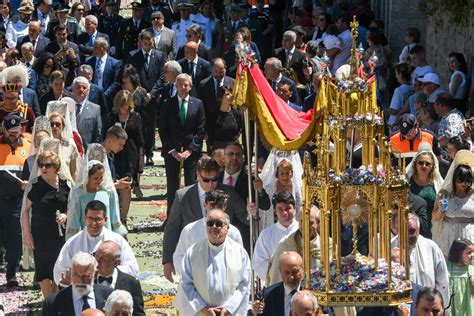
point(234, 177)
point(287, 298)
point(114, 279)
point(202, 199)
point(420, 72)
point(193, 233)
point(79, 303)
point(266, 244)
point(84, 242)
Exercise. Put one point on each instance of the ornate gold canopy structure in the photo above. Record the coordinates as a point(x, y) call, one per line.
point(350, 197)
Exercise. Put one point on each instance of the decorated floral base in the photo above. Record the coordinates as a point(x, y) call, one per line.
point(358, 275)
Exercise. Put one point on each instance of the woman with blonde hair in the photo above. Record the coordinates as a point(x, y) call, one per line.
point(130, 161)
point(46, 201)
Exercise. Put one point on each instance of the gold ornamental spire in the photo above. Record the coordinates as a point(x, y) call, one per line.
point(353, 62)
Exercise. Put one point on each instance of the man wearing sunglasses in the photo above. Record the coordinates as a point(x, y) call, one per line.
point(13, 152)
point(215, 273)
point(189, 206)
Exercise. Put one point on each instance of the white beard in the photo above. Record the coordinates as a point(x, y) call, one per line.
point(83, 289)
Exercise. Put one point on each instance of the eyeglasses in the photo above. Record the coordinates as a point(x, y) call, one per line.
point(45, 165)
point(48, 66)
point(56, 124)
point(215, 223)
point(94, 219)
point(155, 18)
point(207, 180)
point(424, 163)
point(232, 155)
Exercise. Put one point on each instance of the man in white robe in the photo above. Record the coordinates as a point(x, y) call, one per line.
point(294, 242)
point(195, 232)
point(270, 237)
point(215, 274)
point(427, 263)
point(88, 240)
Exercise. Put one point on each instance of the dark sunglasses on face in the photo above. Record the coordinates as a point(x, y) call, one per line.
point(207, 180)
point(216, 223)
point(424, 163)
point(55, 124)
point(45, 165)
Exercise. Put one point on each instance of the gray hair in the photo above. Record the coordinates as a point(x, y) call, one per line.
point(275, 63)
point(83, 259)
point(118, 297)
point(81, 80)
point(414, 217)
point(184, 76)
point(306, 295)
point(102, 42)
point(118, 251)
point(227, 218)
point(27, 45)
point(291, 34)
point(86, 68)
point(92, 18)
point(173, 66)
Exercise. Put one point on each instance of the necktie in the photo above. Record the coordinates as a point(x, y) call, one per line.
point(98, 69)
point(274, 85)
point(218, 84)
point(230, 181)
point(146, 59)
point(33, 42)
point(92, 39)
point(288, 58)
point(107, 279)
point(136, 25)
point(86, 303)
point(182, 111)
point(191, 69)
point(78, 108)
point(234, 27)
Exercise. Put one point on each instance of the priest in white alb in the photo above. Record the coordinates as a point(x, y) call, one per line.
point(215, 274)
point(88, 240)
point(268, 240)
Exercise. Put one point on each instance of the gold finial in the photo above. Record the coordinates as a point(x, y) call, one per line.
point(354, 34)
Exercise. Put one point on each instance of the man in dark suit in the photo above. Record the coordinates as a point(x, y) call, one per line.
point(272, 70)
point(164, 38)
point(290, 56)
point(127, 34)
point(43, 14)
point(159, 6)
point(34, 37)
point(188, 206)
point(65, 52)
point(106, 69)
point(182, 128)
point(207, 94)
point(88, 118)
point(86, 40)
point(109, 23)
point(171, 70)
point(77, 297)
point(96, 93)
point(108, 258)
point(194, 65)
point(149, 63)
point(234, 175)
point(277, 298)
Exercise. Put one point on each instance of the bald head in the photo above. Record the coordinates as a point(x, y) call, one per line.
point(191, 50)
point(291, 268)
point(304, 303)
point(108, 257)
point(92, 312)
point(34, 28)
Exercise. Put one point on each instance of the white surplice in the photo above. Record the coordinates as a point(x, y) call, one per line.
point(84, 242)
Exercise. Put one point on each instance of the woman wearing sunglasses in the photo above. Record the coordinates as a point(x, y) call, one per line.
point(455, 219)
point(44, 67)
point(425, 180)
point(46, 202)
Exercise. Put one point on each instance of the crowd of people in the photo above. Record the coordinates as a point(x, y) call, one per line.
point(85, 89)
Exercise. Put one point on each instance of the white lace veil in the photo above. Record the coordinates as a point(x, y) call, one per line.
point(463, 157)
point(423, 149)
point(62, 108)
point(96, 154)
point(41, 124)
point(71, 105)
point(270, 168)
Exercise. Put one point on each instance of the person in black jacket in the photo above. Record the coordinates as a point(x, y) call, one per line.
point(108, 259)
